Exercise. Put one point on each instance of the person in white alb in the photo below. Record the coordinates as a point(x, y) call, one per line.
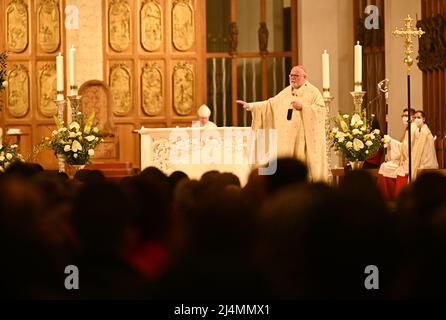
point(298, 115)
point(203, 114)
point(393, 174)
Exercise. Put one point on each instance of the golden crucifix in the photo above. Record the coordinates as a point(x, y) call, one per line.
point(408, 33)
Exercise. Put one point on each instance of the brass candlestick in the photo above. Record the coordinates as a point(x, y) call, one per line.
point(358, 97)
point(75, 101)
point(60, 107)
point(328, 99)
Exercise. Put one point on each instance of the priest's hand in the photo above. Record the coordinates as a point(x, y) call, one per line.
point(297, 105)
point(244, 104)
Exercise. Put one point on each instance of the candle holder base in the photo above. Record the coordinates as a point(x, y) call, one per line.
point(60, 105)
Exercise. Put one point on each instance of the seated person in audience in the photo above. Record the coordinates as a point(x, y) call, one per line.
point(203, 114)
point(393, 174)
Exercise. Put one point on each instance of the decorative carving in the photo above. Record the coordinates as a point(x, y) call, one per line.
point(183, 89)
point(49, 25)
point(120, 86)
point(152, 90)
point(151, 25)
point(119, 25)
point(96, 97)
point(432, 45)
point(263, 37)
point(233, 37)
point(183, 34)
point(18, 91)
point(17, 26)
point(48, 90)
point(161, 154)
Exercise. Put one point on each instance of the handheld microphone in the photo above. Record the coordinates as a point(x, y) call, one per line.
point(289, 114)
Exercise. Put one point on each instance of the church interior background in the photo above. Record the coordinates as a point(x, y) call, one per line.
point(152, 63)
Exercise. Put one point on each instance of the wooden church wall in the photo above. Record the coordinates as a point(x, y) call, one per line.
point(432, 61)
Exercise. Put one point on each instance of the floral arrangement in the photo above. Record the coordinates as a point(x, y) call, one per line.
point(76, 142)
point(3, 82)
point(354, 136)
point(8, 155)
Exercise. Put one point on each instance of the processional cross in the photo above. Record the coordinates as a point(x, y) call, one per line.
point(408, 32)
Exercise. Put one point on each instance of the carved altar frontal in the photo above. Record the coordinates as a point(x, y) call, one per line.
point(198, 150)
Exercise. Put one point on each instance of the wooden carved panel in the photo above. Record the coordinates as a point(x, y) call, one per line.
point(48, 90)
point(18, 91)
point(96, 97)
point(183, 26)
point(151, 25)
point(49, 25)
point(152, 90)
point(183, 88)
point(432, 45)
point(120, 85)
point(17, 26)
point(119, 25)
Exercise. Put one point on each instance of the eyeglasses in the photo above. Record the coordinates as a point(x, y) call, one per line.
point(295, 75)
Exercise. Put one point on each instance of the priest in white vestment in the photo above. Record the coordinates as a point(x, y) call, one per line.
point(203, 114)
point(298, 114)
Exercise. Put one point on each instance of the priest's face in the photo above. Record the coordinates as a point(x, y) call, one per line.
point(297, 77)
point(203, 121)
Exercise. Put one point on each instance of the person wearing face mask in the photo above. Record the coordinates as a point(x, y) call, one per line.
point(393, 174)
point(423, 154)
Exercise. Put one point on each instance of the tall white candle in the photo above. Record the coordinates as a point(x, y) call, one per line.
point(325, 70)
point(358, 67)
point(59, 73)
point(72, 56)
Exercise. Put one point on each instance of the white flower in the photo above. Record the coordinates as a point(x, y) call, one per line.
point(376, 131)
point(90, 138)
point(355, 132)
point(14, 146)
point(363, 128)
point(67, 148)
point(54, 132)
point(91, 152)
point(387, 138)
point(345, 116)
point(75, 155)
point(74, 124)
point(4, 84)
point(8, 156)
point(358, 144)
point(62, 129)
point(2, 158)
point(72, 134)
point(349, 145)
point(335, 130)
point(79, 134)
point(95, 130)
point(356, 120)
point(369, 143)
point(372, 136)
point(76, 146)
point(367, 152)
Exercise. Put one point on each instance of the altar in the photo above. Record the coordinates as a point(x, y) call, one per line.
point(197, 150)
